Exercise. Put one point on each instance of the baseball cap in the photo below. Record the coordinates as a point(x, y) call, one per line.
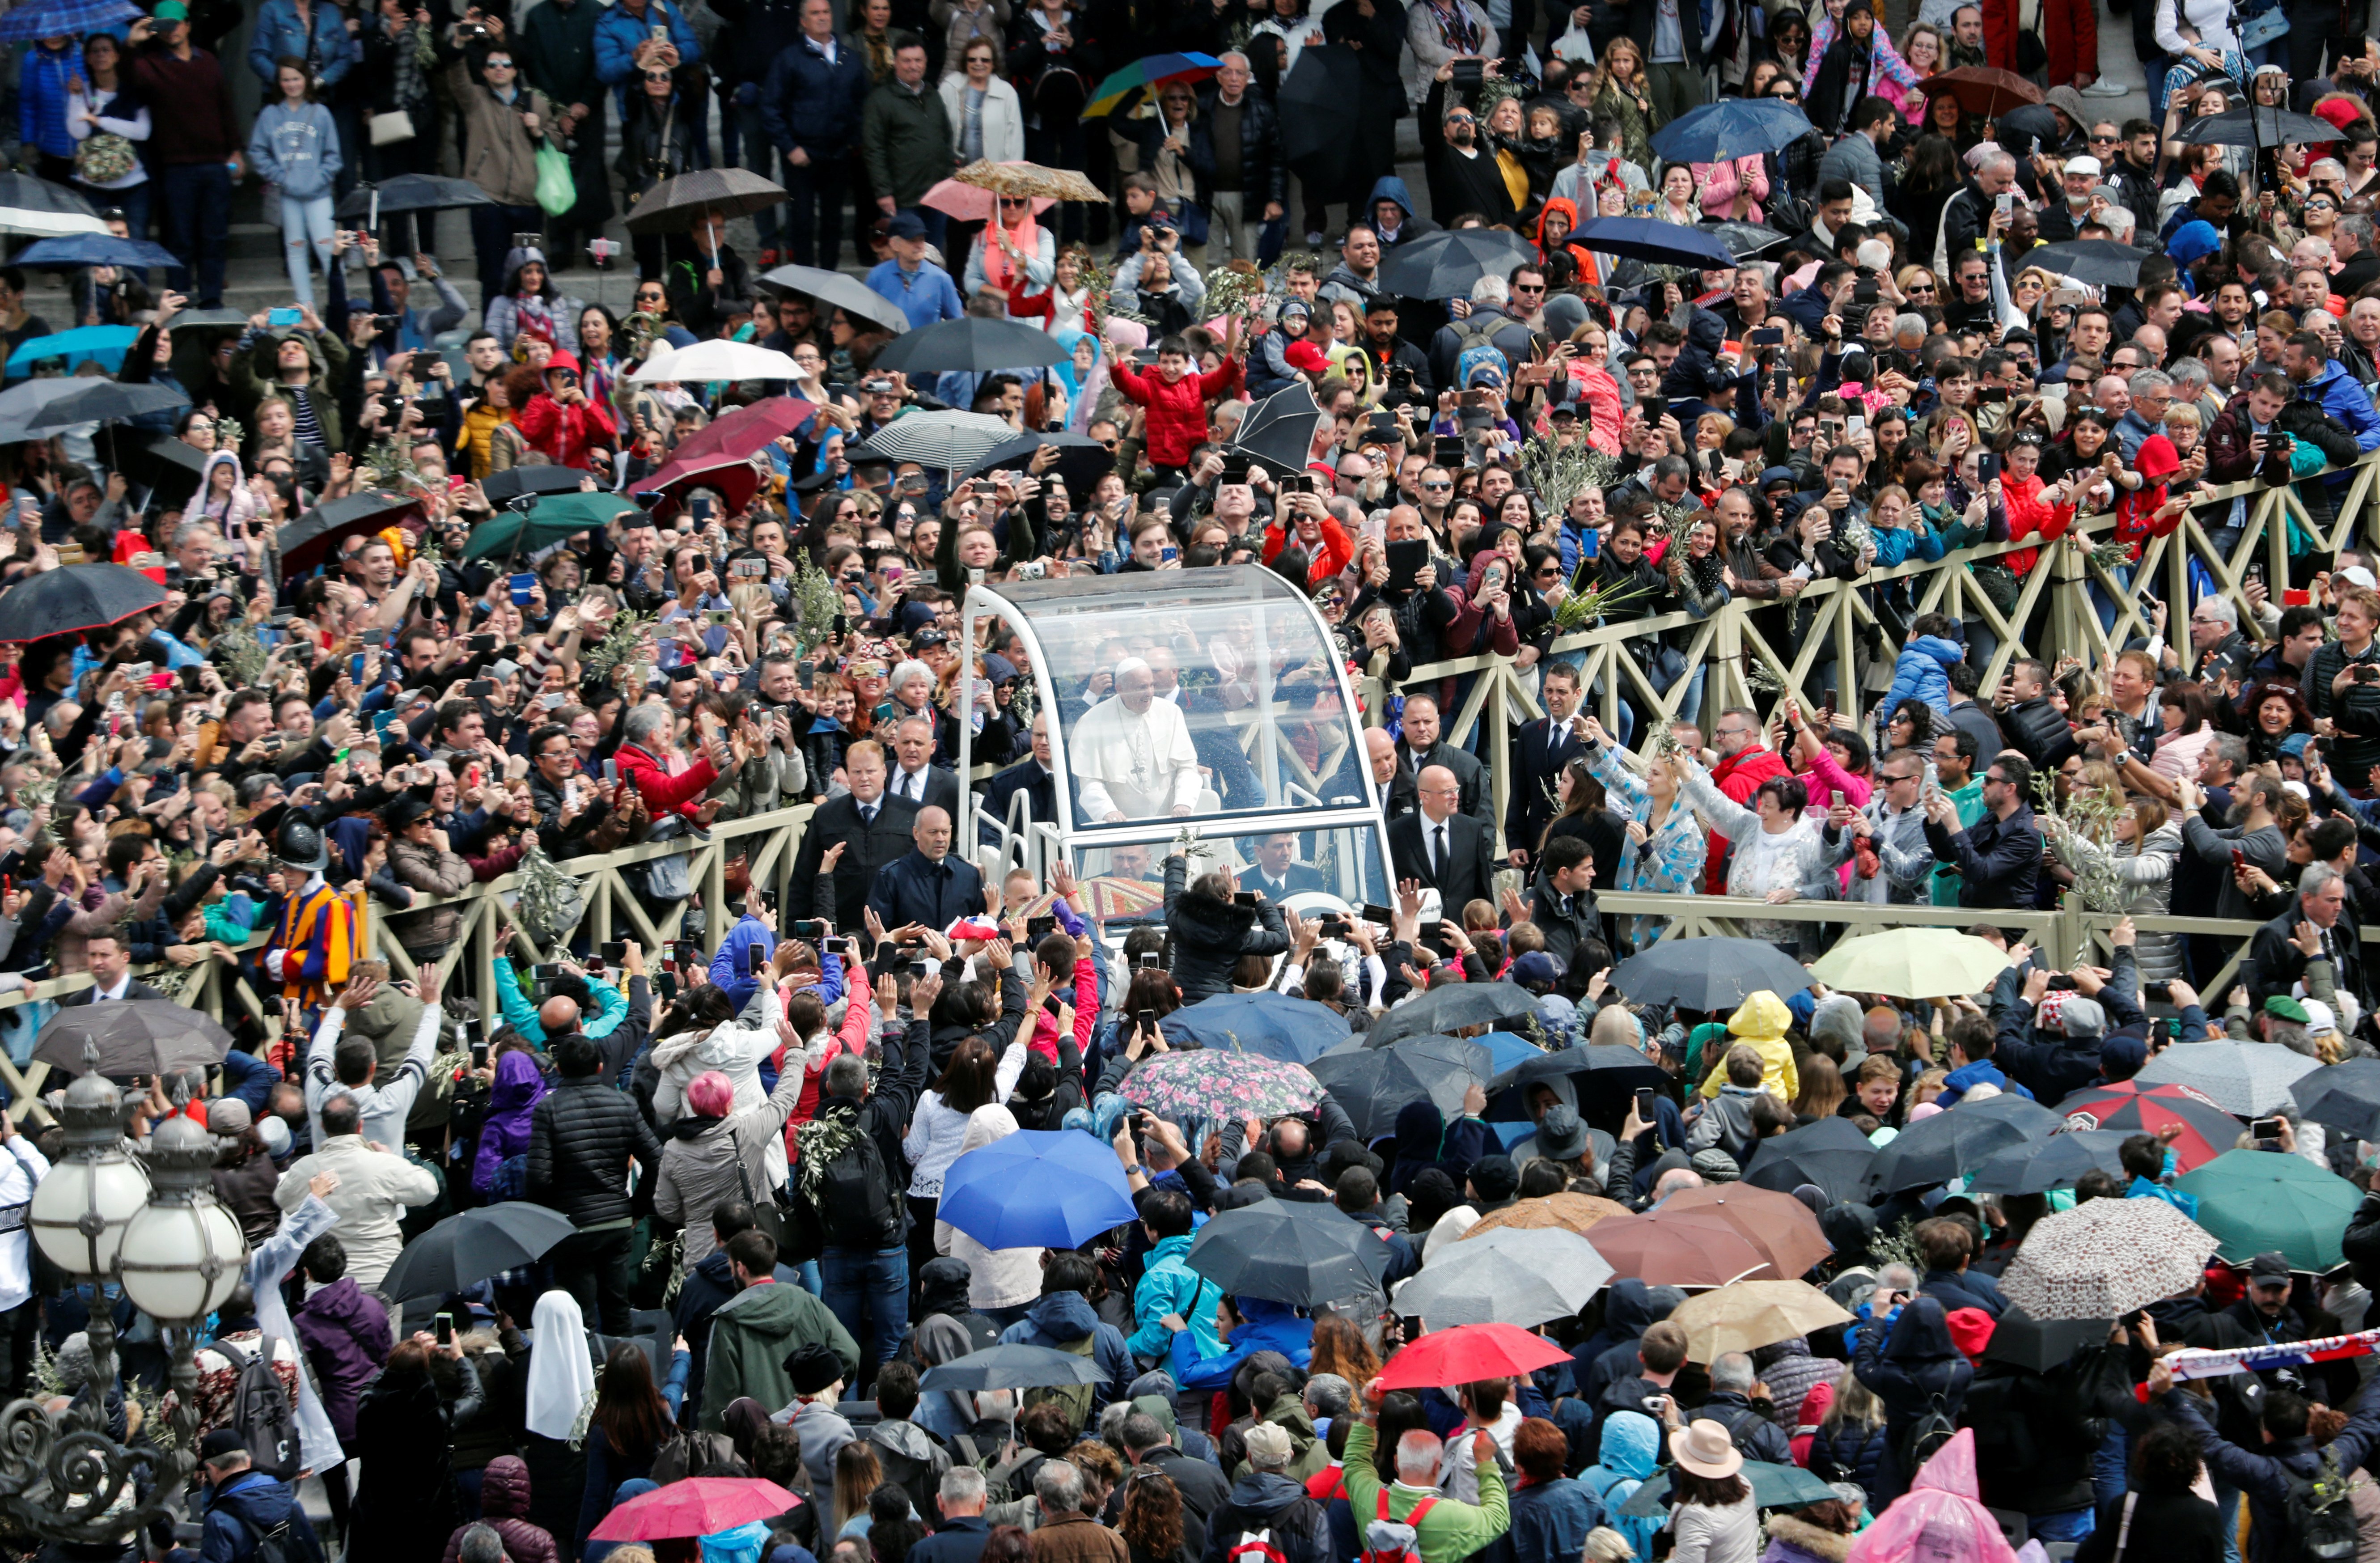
point(904, 224)
point(170, 10)
point(228, 1117)
point(2268, 1268)
point(2361, 577)
point(222, 1441)
point(1268, 1445)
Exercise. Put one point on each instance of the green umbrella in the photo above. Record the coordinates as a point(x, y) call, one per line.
point(2256, 1201)
point(548, 520)
point(1773, 1487)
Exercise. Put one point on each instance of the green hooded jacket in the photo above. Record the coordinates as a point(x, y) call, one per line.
point(752, 1335)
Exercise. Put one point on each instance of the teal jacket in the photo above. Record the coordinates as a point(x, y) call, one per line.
point(1169, 1286)
point(611, 1006)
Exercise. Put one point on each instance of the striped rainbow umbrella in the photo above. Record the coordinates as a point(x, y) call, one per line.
point(1153, 71)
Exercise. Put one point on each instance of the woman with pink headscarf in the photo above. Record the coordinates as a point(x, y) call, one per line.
point(715, 1154)
point(1011, 249)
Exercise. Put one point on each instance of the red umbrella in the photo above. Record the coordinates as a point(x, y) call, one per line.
point(2207, 1130)
point(1689, 1248)
point(700, 1505)
point(1468, 1353)
point(1779, 1226)
point(735, 477)
point(1982, 90)
point(742, 432)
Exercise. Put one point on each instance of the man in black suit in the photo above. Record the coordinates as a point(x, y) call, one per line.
point(1448, 850)
point(917, 780)
point(1277, 874)
point(1033, 776)
point(1540, 749)
point(111, 975)
point(1389, 773)
point(1423, 748)
point(932, 886)
point(871, 829)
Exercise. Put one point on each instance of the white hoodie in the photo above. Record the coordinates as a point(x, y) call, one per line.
point(735, 1050)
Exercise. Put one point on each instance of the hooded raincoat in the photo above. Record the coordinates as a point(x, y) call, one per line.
point(1759, 1022)
point(503, 1132)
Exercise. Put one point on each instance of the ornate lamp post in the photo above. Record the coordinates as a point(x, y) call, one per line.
point(159, 1232)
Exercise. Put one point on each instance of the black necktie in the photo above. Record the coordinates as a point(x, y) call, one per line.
point(867, 814)
point(1439, 868)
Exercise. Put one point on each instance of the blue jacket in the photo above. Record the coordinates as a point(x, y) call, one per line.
point(1271, 1326)
point(249, 1503)
point(2338, 394)
point(912, 889)
point(611, 1008)
point(1550, 1521)
point(1063, 1319)
point(296, 149)
point(1169, 1286)
point(924, 295)
point(1899, 545)
point(618, 33)
point(2263, 1473)
point(1983, 1071)
point(813, 103)
point(1630, 1445)
point(731, 969)
point(41, 99)
point(1923, 672)
point(251, 1078)
point(279, 34)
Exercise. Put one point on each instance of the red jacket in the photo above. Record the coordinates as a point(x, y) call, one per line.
point(2027, 515)
point(565, 435)
point(1177, 413)
point(2069, 34)
point(662, 793)
point(1335, 555)
point(1739, 776)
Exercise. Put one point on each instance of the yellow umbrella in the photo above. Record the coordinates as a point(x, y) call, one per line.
point(1747, 1315)
point(1912, 964)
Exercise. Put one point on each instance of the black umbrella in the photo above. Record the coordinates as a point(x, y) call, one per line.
point(133, 1036)
point(1082, 461)
point(210, 320)
point(672, 206)
point(106, 401)
point(464, 1250)
point(1279, 431)
point(1445, 264)
point(1012, 1366)
point(2038, 1165)
point(70, 600)
point(846, 293)
point(412, 192)
point(515, 481)
point(1708, 975)
point(2271, 127)
point(1315, 106)
point(969, 344)
point(2345, 1096)
point(29, 205)
point(1958, 1141)
point(309, 541)
point(1603, 1078)
point(168, 464)
point(2021, 1340)
point(2102, 262)
point(1831, 1153)
point(1744, 240)
point(1300, 1254)
point(1445, 1010)
point(1375, 1084)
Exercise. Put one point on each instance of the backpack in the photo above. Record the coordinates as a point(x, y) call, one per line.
point(1933, 1428)
point(689, 1453)
point(261, 1412)
point(857, 1206)
point(2320, 1517)
point(1395, 1541)
point(1254, 1546)
point(1076, 1398)
point(279, 1545)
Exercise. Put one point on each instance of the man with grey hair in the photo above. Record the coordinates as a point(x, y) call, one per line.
point(1327, 1397)
point(1067, 1534)
point(960, 1536)
point(1147, 1443)
point(2150, 392)
point(1972, 212)
point(1490, 313)
point(481, 1545)
point(1267, 1498)
point(1732, 1383)
point(1449, 1530)
point(1250, 176)
point(2319, 925)
point(2217, 650)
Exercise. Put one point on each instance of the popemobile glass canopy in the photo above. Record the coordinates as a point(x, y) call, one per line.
point(1211, 700)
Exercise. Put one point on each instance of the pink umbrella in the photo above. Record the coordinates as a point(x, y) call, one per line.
point(700, 1505)
point(972, 203)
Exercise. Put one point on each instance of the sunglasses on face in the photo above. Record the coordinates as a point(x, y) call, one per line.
point(1460, 119)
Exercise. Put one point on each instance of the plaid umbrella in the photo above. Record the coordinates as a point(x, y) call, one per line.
point(2207, 1130)
point(71, 19)
point(2244, 1079)
point(1220, 1087)
point(2104, 1258)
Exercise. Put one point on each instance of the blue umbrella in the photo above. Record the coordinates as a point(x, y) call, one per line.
point(1269, 1025)
point(93, 249)
point(105, 344)
point(1732, 128)
point(1053, 1188)
point(1650, 239)
point(1508, 1049)
point(70, 18)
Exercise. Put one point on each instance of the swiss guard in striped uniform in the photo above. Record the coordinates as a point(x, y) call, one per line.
point(316, 941)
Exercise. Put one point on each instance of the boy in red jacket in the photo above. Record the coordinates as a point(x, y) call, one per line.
point(1175, 398)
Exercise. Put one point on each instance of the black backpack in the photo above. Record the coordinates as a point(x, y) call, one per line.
point(2320, 1517)
point(261, 1411)
point(1932, 1428)
point(277, 1543)
point(858, 1207)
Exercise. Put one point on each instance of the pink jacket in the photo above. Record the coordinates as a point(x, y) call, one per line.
point(1941, 1519)
point(1722, 183)
point(1044, 1040)
point(1601, 394)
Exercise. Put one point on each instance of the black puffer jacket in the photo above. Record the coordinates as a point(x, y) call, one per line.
point(2036, 730)
point(581, 1134)
point(2361, 1244)
point(1263, 175)
point(1210, 935)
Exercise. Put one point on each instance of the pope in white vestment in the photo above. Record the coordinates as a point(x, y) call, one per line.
point(1131, 754)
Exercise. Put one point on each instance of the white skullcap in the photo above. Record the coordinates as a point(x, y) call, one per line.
point(1131, 664)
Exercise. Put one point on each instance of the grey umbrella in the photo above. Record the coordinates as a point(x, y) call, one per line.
point(952, 440)
point(847, 293)
point(1521, 1276)
point(1374, 1083)
point(2242, 1078)
point(1012, 1366)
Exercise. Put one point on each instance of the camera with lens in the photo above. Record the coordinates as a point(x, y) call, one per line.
point(1032, 571)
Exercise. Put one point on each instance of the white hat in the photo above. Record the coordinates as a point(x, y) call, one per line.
point(2361, 577)
point(2083, 164)
point(1704, 1448)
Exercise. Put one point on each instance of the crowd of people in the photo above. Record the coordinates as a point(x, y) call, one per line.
point(365, 685)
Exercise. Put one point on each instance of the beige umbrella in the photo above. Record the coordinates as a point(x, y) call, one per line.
point(1747, 1315)
point(1029, 179)
point(1912, 964)
point(1569, 1212)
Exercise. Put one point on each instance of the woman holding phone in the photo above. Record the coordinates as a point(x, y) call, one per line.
point(1665, 850)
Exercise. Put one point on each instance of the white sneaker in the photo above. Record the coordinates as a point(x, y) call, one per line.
point(2104, 89)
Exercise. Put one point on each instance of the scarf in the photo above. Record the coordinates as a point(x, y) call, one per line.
point(1456, 30)
point(997, 267)
point(816, 1145)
